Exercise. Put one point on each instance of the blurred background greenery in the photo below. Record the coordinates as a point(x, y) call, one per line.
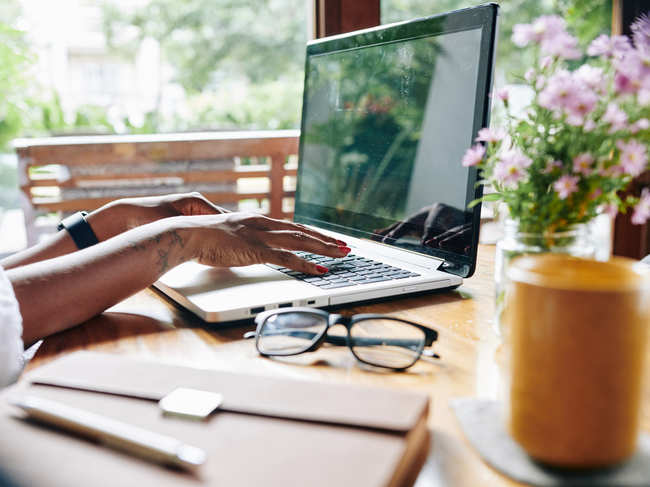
point(198, 64)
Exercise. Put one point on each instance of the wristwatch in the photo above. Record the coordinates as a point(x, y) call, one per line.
point(79, 229)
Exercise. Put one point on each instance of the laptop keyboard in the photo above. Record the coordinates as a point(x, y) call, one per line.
point(347, 271)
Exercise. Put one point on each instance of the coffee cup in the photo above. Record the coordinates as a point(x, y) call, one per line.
point(576, 337)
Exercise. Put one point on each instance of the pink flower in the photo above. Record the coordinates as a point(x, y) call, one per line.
point(632, 71)
point(543, 28)
point(516, 158)
point(549, 31)
point(582, 163)
point(551, 166)
point(641, 124)
point(616, 117)
point(566, 186)
point(503, 95)
point(545, 62)
point(641, 32)
point(604, 45)
point(633, 157)
point(589, 125)
point(523, 34)
point(562, 45)
point(511, 168)
point(642, 208)
point(582, 103)
point(623, 84)
point(490, 135)
point(643, 96)
point(473, 155)
point(592, 77)
point(508, 174)
point(560, 91)
point(529, 75)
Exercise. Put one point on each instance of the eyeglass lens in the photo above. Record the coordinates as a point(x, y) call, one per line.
point(386, 342)
point(290, 333)
point(378, 341)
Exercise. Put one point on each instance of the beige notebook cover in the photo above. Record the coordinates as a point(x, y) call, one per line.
point(268, 431)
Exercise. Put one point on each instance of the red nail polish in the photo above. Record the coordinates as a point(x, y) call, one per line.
point(322, 269)
point(345, 249)
point(341, 243)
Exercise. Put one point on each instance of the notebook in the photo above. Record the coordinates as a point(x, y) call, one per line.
point(268, 431)
point(387, 114)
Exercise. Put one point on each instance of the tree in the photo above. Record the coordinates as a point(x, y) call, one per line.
point(15, 58)
point(207, 40)
point(585, 17)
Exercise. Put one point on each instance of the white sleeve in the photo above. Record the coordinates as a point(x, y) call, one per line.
point(11, 330)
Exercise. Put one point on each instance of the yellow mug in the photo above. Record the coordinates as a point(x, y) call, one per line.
point(576, 332)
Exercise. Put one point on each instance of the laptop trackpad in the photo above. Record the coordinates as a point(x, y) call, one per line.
point(216, 289)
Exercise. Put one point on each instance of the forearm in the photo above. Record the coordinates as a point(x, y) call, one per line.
point(61, 292)
point(106, 222)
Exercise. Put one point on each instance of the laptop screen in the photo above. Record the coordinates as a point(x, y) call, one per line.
point(387, 116)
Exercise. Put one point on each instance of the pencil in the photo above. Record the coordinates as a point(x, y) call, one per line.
point(113, 433)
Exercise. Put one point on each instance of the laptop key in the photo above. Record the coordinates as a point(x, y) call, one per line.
point(358, 279)
point(338, 285)
point(330, 277)
point(313, 279)
point(378, 279)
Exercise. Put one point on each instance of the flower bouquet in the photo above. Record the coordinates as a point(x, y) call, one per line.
point(582, 139)
point(574, 149)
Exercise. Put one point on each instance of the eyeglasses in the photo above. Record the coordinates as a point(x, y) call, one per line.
point(378, 340)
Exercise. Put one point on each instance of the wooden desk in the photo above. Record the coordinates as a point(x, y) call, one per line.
point(149, 326)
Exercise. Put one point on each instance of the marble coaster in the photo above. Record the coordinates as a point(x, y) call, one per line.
point(483, 426)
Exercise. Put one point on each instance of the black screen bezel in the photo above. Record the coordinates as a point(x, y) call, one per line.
point(483, 17)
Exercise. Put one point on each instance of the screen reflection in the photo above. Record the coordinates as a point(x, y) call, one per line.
point(384, 131)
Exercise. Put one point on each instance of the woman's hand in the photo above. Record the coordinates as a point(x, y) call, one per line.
point(239, 239)
point(126, 213)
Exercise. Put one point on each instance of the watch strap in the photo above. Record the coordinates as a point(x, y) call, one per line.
point(79, 229)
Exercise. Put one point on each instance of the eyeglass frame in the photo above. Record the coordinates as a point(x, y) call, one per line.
point(333, 319)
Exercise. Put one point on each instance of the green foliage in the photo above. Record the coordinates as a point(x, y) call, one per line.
point(47, 117)
point(587, 18)
point(272, 105)
point(14, 62)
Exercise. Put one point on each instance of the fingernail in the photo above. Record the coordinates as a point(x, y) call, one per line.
point(322, 269)
point(345, 249)
point(341, 243)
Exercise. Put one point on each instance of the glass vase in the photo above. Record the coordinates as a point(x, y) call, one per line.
point(573, 240)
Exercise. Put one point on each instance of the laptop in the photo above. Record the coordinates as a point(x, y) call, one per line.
point(388, 113)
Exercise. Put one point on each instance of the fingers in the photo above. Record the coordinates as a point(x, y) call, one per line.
point(452, 239)
point(398, 232)
point(285, 258)
point(266, 223)
point(384, 231)
point(299, 240)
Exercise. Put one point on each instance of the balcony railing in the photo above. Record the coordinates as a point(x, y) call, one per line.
point(233, 169)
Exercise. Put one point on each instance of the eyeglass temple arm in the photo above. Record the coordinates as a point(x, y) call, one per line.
point(342, 341)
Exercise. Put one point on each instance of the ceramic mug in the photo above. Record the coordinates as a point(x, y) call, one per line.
point(577, 332)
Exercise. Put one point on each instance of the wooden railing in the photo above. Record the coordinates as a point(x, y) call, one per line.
point(67, 174)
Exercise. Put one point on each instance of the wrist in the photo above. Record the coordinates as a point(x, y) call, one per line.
point(177, 238)
point(107, 221)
